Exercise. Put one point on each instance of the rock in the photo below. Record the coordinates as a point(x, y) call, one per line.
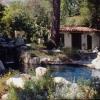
point(74, 89)
point(4, 97)
point(25, 76)
point(61, 80)
point(40, 72)
point(96, 62)
point(19, 81)
point(95, 74)
point(29, 45)
point(2, 68)
point(25, 57)
point(16, 81)
point(19, 41)
point(45, 59)
point(34, 60)
point(65, 88)
point(56, 51)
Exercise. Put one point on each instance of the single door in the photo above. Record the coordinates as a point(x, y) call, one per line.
point(89, 42)
point(76, 40)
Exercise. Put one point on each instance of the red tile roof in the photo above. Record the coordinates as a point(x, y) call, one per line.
point(77, 29)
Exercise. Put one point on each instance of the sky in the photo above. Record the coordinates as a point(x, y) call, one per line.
point(7, 1)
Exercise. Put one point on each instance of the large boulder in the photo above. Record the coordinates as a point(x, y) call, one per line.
point(95, 74)
point(40, 72)
point(16, 81)
point(61, 80)
point(25, 57)
point(4, 97)
point(71, 90)
point(96, 62)
point(2, 68)
point(19, 80)
point(65, 88)
point(26, 76)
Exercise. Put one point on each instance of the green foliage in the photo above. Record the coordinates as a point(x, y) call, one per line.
point(34, 22)
point(16, 18)
point(34, 89)
point(40, 11)
point(45, 89)
point(12, 94)
point(1, 15)
point(77, 21)
point(83, 82)
point(84, 10)
point(11, 11)
point(83, 92)
point(69, 8)
point(80, 12)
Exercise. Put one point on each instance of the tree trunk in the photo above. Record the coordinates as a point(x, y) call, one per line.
point(55, 35)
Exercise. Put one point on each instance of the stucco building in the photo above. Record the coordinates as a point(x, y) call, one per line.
point(83, 38)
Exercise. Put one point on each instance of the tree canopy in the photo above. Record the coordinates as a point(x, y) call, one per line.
point(80, 12)
point(35, 17)
point(34, 21)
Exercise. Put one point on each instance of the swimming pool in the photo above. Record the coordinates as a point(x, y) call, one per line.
point(74, 73)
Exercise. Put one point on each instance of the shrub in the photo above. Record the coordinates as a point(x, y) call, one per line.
point(34, 90)
point(13, 94)
point(72, 53)
point(50, 44)
point(46, 89)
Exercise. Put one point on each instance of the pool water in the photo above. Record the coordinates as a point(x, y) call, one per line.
point(74, 73)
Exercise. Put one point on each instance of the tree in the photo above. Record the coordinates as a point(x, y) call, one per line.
point(69, 8)
point(32, 19)
point(2, 7)
point(55, 35)
point(41, 14)
point(76, 12)
point(95, 20)
point(9, 14)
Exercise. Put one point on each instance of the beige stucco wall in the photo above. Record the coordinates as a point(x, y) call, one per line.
point(84, 41)
point(67, 40)
point(95, 41)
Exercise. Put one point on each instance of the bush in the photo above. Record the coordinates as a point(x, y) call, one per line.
point(46, 89)
point(34, 90)
point(50, 44)
point(72, 53)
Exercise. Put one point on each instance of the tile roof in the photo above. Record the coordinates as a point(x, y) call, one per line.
point(77, 29)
